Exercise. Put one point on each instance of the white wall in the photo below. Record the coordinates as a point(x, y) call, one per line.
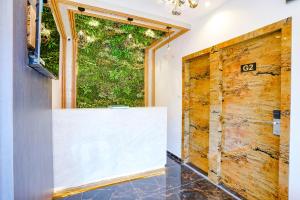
point(32, 119)
point(234, 18)
point(6, 100)
point(25, 114)
point(92, 145)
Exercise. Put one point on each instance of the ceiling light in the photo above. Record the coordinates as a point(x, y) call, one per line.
point(81, 9)
point(193, 3)
point(179, 3)
point(176, 10)
point(207, 4)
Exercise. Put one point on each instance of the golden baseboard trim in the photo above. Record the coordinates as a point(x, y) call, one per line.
point(105, 183)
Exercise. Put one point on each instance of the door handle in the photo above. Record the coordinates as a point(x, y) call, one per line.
point(276, 122)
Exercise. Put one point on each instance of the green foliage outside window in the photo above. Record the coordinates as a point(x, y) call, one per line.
point(111, 62)
point(50, 42)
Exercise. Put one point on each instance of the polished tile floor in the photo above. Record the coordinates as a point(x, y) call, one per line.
point(179, 183)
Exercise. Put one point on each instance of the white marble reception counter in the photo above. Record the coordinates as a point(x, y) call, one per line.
point(92, 145)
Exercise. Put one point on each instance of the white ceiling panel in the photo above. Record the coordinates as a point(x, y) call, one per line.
point(159, 8)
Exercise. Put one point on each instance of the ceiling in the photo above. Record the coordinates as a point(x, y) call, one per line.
point(158, 8)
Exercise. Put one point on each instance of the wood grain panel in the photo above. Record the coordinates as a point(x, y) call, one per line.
point(285, 109)
point(248, 141)
point(215, 129)
point(244, 155)
point(185, 111)
point(199, 74)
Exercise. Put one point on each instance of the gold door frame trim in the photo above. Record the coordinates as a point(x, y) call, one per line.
point(216, 109)
point(153, 78)
point(115, 16)
point(74, 57)
point(61, 29)
point(146, 77)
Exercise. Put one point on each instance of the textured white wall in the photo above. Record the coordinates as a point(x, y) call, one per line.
point(92, 145)
point(32, 119)
point(234, 18)
point(6, 100)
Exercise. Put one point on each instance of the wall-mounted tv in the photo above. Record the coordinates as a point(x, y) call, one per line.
point(39, 48)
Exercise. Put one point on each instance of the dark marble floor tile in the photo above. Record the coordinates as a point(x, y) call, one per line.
point(162, 196)
point(177, 176)
point(147, 186)
point(182, 173)
point(178, 183)
point(202, 189)
point(123, 191)
point(74, 197)
point(198, 190)
point(100, 194)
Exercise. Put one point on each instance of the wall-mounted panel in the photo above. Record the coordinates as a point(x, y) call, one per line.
point(199, 112)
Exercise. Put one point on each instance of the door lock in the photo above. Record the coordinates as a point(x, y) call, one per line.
point(276, 122)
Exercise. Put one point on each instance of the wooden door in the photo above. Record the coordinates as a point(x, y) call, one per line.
point(199, 112)
point(250, 150)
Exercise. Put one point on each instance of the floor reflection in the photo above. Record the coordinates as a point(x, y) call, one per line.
point(179, 183)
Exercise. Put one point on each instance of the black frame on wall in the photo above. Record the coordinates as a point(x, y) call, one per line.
point(34, 55)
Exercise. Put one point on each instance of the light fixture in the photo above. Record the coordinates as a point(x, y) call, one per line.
point(193, 3)
point(81, 9)
point(130, 19)
point(179, 3)
point(207, 4)
point(169, 37)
